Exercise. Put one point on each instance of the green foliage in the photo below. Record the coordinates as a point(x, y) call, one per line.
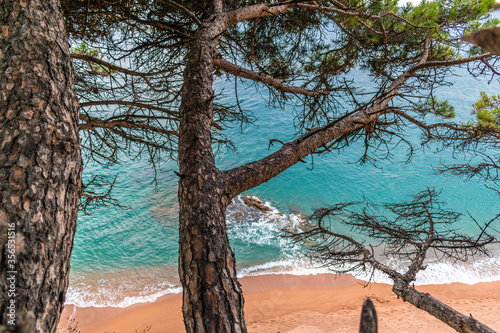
point(426, 14)
point(439, 108)
point(487, 110)
point(95, 69)
point(313, 49)
point(488, 116)
point(299, 41)
point(84, 49)
point(406, 29)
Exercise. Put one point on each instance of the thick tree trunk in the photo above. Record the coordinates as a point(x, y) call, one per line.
point(449, 316)
point(40, 164)
point(212, 297)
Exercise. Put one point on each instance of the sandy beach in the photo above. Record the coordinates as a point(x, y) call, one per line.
point(301, 304)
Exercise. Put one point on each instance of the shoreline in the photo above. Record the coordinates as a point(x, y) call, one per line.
point(301, 304)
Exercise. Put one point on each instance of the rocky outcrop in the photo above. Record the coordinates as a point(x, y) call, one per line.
point(256, 203)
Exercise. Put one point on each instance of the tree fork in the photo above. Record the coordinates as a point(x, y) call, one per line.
point(40, 165)
point(212, 296)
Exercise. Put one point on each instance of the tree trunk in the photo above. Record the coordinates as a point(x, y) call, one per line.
point(40, 164)
point(212, 297)
point(369, 322)
point(449, 316)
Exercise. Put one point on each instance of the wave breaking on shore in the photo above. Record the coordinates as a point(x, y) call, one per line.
point(256, 226)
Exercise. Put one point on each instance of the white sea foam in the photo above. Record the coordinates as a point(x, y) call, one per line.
point(482, 270)
point(290, 266)
point(293, 261)
point(122, 287)
point(107, 297)
point(258, 229)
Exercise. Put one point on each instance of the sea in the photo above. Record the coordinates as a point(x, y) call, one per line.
point(128, 254)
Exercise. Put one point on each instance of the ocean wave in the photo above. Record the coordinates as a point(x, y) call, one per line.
point(122, 287)
point(481, 270)
point(261, 228)
point(82, 298)
point(104, 294)
point(260, 231)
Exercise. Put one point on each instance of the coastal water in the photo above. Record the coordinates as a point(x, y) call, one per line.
point(125, 255)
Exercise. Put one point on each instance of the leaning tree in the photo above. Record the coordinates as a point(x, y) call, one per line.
point(145, 78)
point(409, 232)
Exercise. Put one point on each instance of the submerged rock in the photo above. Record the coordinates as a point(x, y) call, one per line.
point(306, 226)
point(246, 209)
point(256, 203)
point(237, 215)
point(294, 209)
point(168, 215)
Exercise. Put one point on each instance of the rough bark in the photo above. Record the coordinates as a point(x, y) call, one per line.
point(256, 11)
point(449, 316)
point(40, 164)
point(368, 323)
point(212, 297)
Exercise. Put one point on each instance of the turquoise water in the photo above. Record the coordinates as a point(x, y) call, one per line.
point(127, 255)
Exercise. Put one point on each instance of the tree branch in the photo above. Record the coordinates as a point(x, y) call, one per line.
point(256, 11)
point(138, 105)
point(445, 63)
point(184, 10)
point(160, 25)
point(134, 104)
point(263, 78)
point(111, 66)
point(438, 309)
point(255, 173)
point(218, 6)
point(92, 123)
point(422, 125)
point(412, 220)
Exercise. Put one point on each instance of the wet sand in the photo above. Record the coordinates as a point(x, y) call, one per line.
point(301, 304)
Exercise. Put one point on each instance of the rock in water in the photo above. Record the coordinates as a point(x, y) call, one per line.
point(294, 209)
point(237, 213)
point(256, 203)
point(167, 215)
point(488, 39)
